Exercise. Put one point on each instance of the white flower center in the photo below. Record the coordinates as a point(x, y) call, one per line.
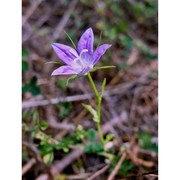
point(79, 61)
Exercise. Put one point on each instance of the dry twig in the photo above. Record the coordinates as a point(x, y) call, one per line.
point(118, 166)
point(28, 165)
point(104, 169)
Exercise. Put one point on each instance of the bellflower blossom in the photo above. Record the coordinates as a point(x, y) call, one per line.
point(82, 60)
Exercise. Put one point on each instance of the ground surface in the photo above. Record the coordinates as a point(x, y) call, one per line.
point(129, 108)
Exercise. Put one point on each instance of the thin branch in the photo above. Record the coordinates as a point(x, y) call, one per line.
point(104, 169)
point(64, 20)
point(28, 166)
point(118, 166)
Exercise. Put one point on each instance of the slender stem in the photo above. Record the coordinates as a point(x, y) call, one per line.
point(98, 99)
point(93, 85)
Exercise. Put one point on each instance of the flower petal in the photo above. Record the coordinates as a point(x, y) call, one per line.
point(64, 70)
point(85, 70)
point(99, 52)
point(65, 53)
point(86, 41)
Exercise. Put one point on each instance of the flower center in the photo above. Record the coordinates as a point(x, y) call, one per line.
point(79, 61)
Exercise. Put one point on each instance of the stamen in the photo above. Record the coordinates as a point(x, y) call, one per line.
point(83, 51)
point(79, 59)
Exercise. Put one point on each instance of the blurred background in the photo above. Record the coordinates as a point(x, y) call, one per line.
point(130, 104)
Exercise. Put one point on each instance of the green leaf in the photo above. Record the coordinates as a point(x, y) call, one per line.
point(43, 125)
point(72, 78)
point(61, 84)
point(25, 65)
point(151, 56)
point(97, 147)
point(33, 81)
point(92, 111)
point(48, 158)
point(94, 147)
point(64, 109)
point(26, 88)
point(102, 67)
point(109, 137)
point(35, 90)
point(24, 53)
point(145, 141)
point(103, 85)
point(54, 62)
point(126, 166)
point(36, 118)
point(91, 135)
point(45, 148)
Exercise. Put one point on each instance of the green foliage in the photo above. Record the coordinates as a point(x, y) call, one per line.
point(109, 137)
point(24, 155)
point(126, 166)
point(92, 111)
point(91, 135)
point(94, 147)
point(32, 87)
point(145, 141)
point(64, 108)
point(48, 158)
point(72, 78)
point(145, 49)
point(25, 65)
point(43, 125)
point(24, 53)
point(103, 85)
point(36, 118)
point(61, 84)
point(102, 67)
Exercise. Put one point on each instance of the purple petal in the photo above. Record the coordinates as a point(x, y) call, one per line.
point(86, 41)
point(99, 52)
point(85, 70)
point(65, 53)
point(64, 70)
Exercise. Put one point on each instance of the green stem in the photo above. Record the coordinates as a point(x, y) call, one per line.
point(98, 99)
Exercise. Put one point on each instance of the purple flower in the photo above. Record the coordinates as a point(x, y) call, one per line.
point(82, 60)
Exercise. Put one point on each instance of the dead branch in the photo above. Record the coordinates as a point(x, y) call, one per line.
point(31, 10)
point(104, 169)
point(118, 166)
point(28, 166)
point(64, 20)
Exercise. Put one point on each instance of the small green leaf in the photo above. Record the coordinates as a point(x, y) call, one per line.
point(54, 62)
point(109, 137)
point(48, 158)
point(43, 125)
point(72, 78)
point(24, 53)
point(35, 90)
point(94, 147)
point(26, 88)
point(64, 108)
point(92, 111)
point(36, 118)
point(33, 81)
point(102, 67)
point(91, 135)
point(25, 65)
point(103, 85)
point(61, 84)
